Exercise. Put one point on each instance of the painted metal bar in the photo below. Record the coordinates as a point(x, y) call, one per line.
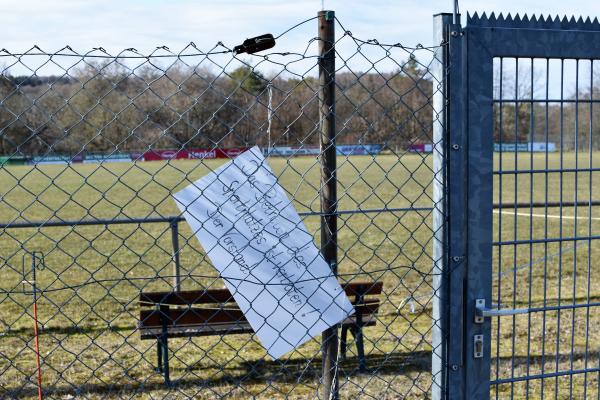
point(479, 126)
point(515, 228)
point(483, 311)
point(544, 101)
point(546, 186)
point(537, 43)
point(531, 137)
point(571, 43)
point(560, 249)
point(456, 175)
point(589, 228)
point(168, 219)
point(575, 225)
point(84, 222)
point(500, 191)
point(563, 239)
point(549, 204)
point(544, 171)
point(543, 376)
point(178, 218)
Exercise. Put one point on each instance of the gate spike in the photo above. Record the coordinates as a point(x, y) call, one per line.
point(525, 19)
point(516, 22)
point(549, 21)
point(492, 17)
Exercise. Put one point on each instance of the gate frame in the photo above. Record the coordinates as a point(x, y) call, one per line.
point(449, 222)
point(468, 274)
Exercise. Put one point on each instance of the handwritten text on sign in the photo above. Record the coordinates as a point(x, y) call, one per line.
point(255, 238)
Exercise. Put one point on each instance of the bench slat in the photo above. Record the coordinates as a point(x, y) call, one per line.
point(187, 297)
point(190, 316)
point(223, 296)
point(196, 330)
point(210, 316)
point(363, 288)
point(148, 333)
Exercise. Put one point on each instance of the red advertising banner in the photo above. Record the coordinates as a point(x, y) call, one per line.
point(193, 154)
point(231, 152)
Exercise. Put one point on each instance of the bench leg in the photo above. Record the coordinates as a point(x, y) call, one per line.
point(360, 348)
point(159, 368)
point(343, 344)
point(164, 339)
point(165, 358)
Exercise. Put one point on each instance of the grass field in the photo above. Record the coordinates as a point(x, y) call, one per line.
point(93, 276)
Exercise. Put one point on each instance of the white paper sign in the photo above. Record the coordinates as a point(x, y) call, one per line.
point(268, 260)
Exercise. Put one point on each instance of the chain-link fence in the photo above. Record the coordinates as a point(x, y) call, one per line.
point(105, 290)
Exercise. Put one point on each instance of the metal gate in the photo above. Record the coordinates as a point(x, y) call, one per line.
point(522, 273)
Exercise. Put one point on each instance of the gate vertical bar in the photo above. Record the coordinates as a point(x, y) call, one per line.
point(456, 149)
point(450, 222)
point(479, 233)
point(326, 20)
point(439, 70)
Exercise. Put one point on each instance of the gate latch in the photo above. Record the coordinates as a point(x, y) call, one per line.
point(478, 346)
point(481, 311)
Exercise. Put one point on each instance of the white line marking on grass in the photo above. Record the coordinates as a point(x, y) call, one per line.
point(522, 214)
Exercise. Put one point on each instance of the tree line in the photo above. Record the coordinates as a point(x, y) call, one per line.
point(105, 108)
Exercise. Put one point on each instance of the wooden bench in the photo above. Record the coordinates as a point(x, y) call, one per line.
point(165, 315)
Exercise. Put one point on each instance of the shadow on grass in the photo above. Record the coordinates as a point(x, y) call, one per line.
point(292, 372)
point(69, 330)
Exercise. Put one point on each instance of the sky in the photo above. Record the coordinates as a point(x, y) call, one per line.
point(145, 24)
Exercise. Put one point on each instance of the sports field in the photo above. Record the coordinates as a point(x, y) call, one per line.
point(93, 276)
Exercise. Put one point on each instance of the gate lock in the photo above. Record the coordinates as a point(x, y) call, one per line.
point(478, 346)
point(481, 312)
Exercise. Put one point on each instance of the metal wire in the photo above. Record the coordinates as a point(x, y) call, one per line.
point(80, 135)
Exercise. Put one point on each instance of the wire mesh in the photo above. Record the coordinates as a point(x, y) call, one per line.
point(544, 228)
point(90, 214)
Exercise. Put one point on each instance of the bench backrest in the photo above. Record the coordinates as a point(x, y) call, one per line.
point(175, 308)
